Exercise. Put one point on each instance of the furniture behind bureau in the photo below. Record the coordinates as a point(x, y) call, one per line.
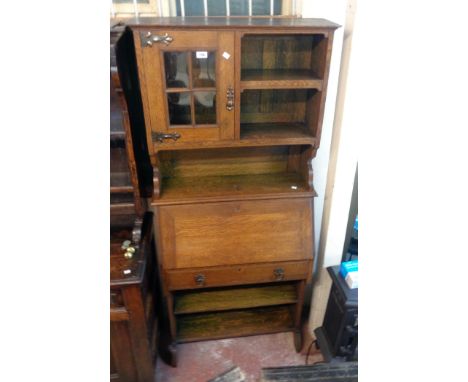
point(133, 271)
point(338, 336)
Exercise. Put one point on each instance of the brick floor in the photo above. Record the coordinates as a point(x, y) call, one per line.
point(201, 361)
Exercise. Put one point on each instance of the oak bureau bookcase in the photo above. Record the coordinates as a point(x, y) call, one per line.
point(233, 109)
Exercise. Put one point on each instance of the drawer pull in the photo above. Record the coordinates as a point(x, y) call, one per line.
point(200, 279)
point(279, 273)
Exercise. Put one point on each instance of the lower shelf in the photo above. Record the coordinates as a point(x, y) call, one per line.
point(198, 327)
point(234, 298)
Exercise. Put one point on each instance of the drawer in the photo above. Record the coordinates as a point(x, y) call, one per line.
point(239, 232)
point(238, 275)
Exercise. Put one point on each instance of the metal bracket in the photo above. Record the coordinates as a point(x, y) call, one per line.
point(147, 39)
point(157, 136)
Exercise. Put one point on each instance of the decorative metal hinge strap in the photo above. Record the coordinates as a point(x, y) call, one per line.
point(147, 39)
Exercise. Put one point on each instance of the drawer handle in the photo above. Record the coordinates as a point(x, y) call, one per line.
point(279, 273)
point(230, 98)
point(200, 279)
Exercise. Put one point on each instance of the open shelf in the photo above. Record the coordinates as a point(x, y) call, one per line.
point(232, 173)
point(120, 179)
point(234, 298)
point(120, 182)
point(281, 131)
point(237, 323)
point(280, 79)
point(282, 114)
point(282, 56)
point(122, 198)
point(232, 185)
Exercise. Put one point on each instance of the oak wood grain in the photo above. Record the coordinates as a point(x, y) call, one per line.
point(233, 200)
point(197, 327)
point(269, 23)
point(213, 234)
point(237, 275)
point(235, 298)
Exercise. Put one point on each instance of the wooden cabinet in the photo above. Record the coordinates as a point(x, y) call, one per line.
point(187, 82)
point(208, 81)
point(133, 321)
point(233, 110)
point(133, 276)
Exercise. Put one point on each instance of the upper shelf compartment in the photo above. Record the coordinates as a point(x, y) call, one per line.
point(283, 61)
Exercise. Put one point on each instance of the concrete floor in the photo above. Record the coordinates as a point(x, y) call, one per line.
point(202, 361)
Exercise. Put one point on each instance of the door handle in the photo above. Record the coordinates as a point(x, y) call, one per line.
point(230, 98)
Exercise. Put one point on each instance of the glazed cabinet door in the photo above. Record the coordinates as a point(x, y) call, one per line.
point(187, 80)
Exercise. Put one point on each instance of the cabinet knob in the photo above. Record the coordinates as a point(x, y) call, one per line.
point(200, 279)
point(279, 273)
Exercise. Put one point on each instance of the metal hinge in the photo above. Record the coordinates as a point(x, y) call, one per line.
point(148, 39)
point(159, 137)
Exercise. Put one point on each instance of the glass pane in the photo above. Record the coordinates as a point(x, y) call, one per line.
point(130, 1)
point(239, 7)
point(203, 69)
point(175, 65)
point(260, 7)
point(277, 7)
point(179, 108)
point(205, 107)
point(194, 8)
point(216, 8)
point(191, 8)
